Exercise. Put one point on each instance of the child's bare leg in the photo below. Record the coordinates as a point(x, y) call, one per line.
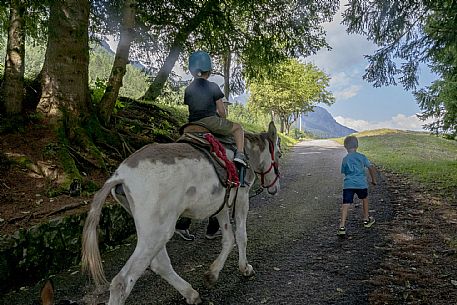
point(238, 134)
point(344, 214)
point(365, 208)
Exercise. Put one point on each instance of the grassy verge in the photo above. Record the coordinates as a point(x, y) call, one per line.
point(427, 159)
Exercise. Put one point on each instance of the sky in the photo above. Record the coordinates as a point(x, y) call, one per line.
point(358, 104)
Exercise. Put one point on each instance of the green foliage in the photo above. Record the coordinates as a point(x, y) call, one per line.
point(89, 187)
point(135, 81)
point(51, 150)
point(241, 114)
point(425, 158)
point(409, 33)
point(439, 101)
point(171, 96)
point(256, 122)
point(301, 134)
point(98, 90)
point(293, 88)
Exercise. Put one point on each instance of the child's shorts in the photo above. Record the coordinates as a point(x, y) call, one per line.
point(218, 125)
point(348, 194)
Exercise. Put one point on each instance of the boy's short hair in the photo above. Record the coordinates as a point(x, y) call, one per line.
point(351, 142)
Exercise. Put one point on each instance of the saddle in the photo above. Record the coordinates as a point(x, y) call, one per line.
point(213, 147)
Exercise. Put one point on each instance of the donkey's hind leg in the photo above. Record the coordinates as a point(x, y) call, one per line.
point(228, 241)
point(161, 265)
point(241, 213)
point(122, 284)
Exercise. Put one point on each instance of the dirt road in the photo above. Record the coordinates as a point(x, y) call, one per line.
point(292, 246)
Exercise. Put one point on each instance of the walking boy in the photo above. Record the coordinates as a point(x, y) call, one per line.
point(355, 182)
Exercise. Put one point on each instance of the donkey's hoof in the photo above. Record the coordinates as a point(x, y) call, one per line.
point(194, 299)
point(248, 271)
point(210, 279)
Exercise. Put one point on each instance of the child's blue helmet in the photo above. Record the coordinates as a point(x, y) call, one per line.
point(199, 62)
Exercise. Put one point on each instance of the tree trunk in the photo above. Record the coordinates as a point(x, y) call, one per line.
point(13, 81)
point(65, 73)
point(120, 62)
point(283, 123)
point(159, 81)
point(227, 66)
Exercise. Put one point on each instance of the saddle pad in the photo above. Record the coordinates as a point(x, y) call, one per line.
point(200, 143)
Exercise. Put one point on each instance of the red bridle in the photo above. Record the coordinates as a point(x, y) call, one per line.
point(274, 165)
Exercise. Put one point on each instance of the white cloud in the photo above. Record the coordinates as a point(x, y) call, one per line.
point(399, 121)
point(346, 93)
point(343, 87)
point(347, 49)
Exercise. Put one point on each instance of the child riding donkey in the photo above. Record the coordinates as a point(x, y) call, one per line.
point(206, 107)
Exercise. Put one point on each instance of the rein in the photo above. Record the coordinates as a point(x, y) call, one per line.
point(273, 166)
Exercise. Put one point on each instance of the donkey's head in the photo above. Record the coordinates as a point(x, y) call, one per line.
point(265, 163)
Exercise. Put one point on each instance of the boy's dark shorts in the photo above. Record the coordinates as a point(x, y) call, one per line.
point(348, 194)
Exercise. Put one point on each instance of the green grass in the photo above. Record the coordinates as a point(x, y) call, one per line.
point(425, 158)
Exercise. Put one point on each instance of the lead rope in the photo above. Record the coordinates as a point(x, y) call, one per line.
point(257, 192)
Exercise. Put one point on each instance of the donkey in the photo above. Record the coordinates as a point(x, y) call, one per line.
point(162, 182)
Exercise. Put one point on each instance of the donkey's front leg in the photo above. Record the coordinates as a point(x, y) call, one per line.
point(228, 241)
point(241, 214)
point(161, 265)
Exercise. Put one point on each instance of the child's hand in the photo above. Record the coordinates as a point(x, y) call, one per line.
point(373, 182)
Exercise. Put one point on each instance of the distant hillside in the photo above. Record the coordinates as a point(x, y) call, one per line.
point(321, 124)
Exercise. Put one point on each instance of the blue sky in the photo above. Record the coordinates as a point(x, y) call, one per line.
point(358, 104)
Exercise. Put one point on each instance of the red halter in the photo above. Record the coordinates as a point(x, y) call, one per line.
point(273, 165)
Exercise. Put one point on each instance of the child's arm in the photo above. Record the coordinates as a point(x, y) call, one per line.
point(220, 108)
point(372, 171)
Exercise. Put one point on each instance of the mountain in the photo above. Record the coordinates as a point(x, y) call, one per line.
point(322, 125)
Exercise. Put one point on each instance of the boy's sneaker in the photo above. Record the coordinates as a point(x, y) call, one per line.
point(341, 231)
point(214, 235)
point(240, 158)
point(369, 222)
point(185, 234)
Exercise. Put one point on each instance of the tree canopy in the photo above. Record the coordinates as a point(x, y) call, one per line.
point(292, 89)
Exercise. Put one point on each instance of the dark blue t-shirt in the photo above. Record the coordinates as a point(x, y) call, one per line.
point(201, 96)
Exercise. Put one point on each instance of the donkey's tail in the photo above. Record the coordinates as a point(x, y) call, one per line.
point(91, 259)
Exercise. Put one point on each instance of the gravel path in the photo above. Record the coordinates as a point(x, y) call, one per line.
point(292, 246)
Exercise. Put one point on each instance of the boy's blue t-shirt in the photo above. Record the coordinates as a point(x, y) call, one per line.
point(353, 168)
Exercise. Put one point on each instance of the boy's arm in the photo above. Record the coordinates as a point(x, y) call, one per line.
point(372, 171)
point(220, 108)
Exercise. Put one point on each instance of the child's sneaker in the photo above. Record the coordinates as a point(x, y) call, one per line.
point(184, 234)
point(240, 158)
point(369, 222)
point(215, 235)
point(341, 231)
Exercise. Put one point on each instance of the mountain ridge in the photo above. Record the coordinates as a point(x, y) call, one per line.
point(321, 124)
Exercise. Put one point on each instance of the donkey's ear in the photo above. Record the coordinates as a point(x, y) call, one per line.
point(272, 133)
point(47, 293)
